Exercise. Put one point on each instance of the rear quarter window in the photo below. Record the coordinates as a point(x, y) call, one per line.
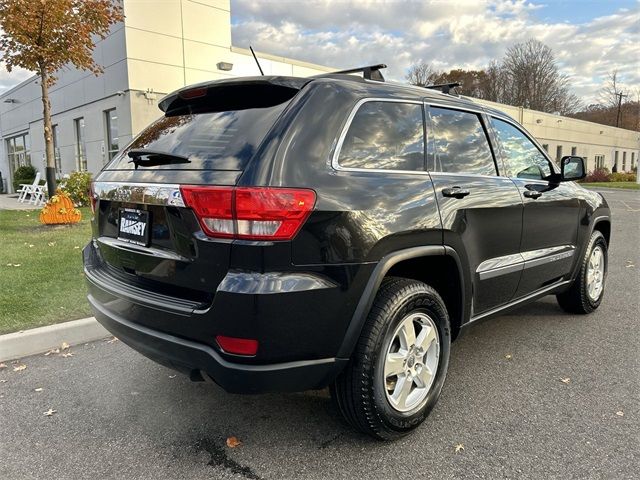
point(211, 141)
point(385, 135)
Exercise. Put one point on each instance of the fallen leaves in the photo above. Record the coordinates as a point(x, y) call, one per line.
point(64, 346)
point(508, 356)
point(50, 412)
point(52, 244)
point(14, 264)
point(52, 351)
point(620, 413)
point(566, 380)
point(233, 442)
point(459, 448)
point(2, 366)
point(19, 368)
point(67, 354)
point(113, 340)
point(39, 389)
point(629, 264)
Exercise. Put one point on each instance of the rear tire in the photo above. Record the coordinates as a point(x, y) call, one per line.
point(391, 384)
point(587, 290)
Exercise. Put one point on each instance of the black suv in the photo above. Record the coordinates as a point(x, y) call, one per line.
point(283, 234)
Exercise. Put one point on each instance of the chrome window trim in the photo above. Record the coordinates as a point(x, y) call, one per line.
point(335, 164)
point(146, 193)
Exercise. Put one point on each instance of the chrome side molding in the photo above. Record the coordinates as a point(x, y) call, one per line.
point(515, 262)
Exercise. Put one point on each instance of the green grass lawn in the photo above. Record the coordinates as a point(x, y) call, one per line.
point(41, 279)
point(626, 185)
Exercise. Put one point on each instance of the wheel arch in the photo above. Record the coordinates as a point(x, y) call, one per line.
point(444, 275)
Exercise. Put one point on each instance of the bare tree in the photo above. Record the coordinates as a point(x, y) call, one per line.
point(422, 74)
point(533, 79)
point(610, 91)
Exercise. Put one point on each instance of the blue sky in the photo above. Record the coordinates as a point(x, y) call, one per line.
point(590, 38)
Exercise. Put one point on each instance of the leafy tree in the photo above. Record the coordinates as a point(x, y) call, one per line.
point(45, 35)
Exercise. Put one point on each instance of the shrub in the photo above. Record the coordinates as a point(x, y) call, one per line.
point(24, 174)
point(598, 175)
point(622, 177)
point(77, 185)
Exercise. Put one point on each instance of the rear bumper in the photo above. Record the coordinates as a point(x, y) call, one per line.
point(188, 357)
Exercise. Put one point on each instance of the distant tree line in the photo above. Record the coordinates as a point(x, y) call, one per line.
point(528, 76)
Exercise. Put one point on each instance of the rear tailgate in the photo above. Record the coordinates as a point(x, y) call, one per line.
point(147, 242)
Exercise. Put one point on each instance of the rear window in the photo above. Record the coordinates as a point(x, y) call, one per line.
point(211, 141)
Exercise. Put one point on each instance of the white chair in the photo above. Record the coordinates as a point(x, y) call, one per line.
point(28, 188)
point(38, 195)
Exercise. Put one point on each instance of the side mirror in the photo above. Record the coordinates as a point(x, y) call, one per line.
point(572, 168)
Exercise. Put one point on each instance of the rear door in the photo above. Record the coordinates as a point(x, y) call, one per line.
point(481, 211)
point(551, 209)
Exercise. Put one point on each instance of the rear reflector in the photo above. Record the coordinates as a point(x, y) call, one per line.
point(252, 213)
point(237, 346)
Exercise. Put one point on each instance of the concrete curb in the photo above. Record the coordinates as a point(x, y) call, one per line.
point(42, 339)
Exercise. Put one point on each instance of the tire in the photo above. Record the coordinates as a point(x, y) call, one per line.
point(579, 298)
point(363, 394)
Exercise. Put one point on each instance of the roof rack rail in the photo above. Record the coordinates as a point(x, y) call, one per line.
point(369, 72)
point(444, 87)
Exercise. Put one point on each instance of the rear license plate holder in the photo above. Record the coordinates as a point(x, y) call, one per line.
point(134, 226)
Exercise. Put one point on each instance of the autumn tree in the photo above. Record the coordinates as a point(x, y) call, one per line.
point(45, 35)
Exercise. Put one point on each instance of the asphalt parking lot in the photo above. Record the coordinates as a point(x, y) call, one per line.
point(119, 415)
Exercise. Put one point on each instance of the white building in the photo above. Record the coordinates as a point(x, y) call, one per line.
point(164, 45)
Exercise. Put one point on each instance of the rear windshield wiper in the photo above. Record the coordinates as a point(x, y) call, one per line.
point(151, 158)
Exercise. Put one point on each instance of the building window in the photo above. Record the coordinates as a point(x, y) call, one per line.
point(56, 149)
point(545, 146)
point(574, 151)
point(633, 160)
point(111, 127)
point(18, 151)
point(624, 161)
point(81, 152)
point(615, 161)
point(559, 153)
point(599, 159)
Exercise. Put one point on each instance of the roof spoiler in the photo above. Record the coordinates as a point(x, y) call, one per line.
point(232, 94)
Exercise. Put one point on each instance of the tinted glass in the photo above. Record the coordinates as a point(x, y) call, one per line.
point(211, 141)
point(523, 158)
point(386, 135)
point(461, 144)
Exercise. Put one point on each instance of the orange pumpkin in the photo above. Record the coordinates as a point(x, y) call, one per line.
point(60, 210)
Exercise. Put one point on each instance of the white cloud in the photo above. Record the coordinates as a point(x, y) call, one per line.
point(9, 79)
point(460, 34)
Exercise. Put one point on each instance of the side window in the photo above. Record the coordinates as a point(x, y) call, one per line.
point(460, 142)
point(387, 135)
point(523, 158)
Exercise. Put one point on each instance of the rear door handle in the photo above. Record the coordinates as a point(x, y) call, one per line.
point(455, 192)
point(532, 194)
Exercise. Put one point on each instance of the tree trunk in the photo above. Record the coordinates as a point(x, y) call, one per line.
point(48, 134)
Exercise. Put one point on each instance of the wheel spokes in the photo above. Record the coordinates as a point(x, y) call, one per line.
point(402, 391)
point(394, 364)
point(423, 379)
point(407, 334)
point(426, 337)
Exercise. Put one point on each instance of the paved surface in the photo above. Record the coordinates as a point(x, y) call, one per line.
point(10, 202)
point(121, 416)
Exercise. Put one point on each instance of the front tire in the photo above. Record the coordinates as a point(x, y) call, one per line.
point(400, 363)
point(587, 290)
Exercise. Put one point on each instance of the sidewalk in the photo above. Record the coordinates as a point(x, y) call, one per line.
point(10, 202)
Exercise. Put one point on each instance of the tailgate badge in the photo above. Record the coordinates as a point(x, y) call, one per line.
point(175, 199)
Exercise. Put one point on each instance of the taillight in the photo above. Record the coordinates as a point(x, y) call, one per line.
point(92, 198)
point(251, 213)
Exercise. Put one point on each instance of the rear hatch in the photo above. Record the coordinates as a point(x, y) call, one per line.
point(150, 243)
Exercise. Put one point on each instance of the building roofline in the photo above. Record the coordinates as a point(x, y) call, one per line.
point(292, 61)
point(20, 85)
